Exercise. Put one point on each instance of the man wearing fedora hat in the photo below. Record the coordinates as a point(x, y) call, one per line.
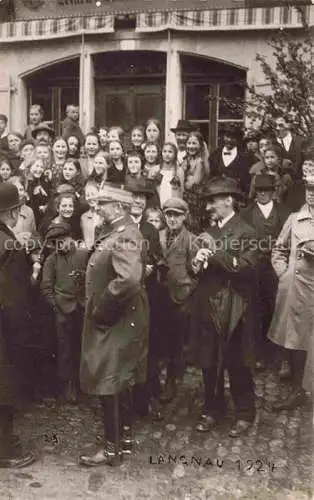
point(43, 133)
point(115, 333)
point(228, 159)
point(14, 327)
point(267, 217)
point(222, 331)
point(181, 132)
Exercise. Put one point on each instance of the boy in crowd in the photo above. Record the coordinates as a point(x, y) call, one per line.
point(70, 125)
point(63, 287)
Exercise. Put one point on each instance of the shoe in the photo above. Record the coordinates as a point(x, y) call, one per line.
point(205, 423)
point(16, 459)
point(240, 427)
point(169, 392)
point(297, 397)
point(105, 456)
point(285, 370)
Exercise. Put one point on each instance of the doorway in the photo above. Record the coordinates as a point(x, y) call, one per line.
point(129, 88)
point(128, 105)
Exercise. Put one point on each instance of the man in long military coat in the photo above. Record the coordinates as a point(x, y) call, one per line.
point(115, 333)
point(222, 331)
point(14, 328)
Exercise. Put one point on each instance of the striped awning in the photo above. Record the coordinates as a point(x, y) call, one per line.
point(39, 29)
point(224, 19)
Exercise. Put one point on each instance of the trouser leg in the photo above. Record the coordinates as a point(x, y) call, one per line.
point(297, 360)
point(6, 429)
point(241, 379)
point(64, 359)
point(214, 399)
point(111, 419)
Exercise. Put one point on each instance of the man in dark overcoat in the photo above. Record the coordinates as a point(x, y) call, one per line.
point(115, 333)
point(147, 395)
point(14, 331)
point(267, 217)
point(222, 320)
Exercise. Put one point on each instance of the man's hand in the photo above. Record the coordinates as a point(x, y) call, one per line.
point(201, 259)
point(148, 270)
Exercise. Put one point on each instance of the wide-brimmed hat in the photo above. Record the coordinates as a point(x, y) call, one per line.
point(231, 131)
point(43, 126)
point(140, 186)
point(111, 193)
point(265, 182)
point(9, 197)
point(222, 186)
point(184, 126)
point(58, 230)
point(175, 205)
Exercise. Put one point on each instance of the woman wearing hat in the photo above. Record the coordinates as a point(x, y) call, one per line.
point(292, 326)
point(15, 332)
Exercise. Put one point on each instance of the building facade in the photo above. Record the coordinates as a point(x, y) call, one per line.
point(125, 63)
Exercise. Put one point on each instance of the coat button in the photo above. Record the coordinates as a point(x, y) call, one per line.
point(133, 324)
point(133, 308)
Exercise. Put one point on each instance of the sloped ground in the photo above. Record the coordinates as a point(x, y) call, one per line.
point(274, 461)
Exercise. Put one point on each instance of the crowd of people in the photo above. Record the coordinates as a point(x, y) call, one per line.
point(122, 255)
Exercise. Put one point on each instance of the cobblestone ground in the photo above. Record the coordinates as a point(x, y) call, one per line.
point(274, 461)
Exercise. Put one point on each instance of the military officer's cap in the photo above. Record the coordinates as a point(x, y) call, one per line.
point(112, 193)
point(175, 205)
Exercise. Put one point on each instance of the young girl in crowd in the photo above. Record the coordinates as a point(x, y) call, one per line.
point(74, 146)
point(71, 174)
point(138, 138)
point(134, 165)
point(90, 219)
point(264, 143)
point(117, 170)
point(153, 131)
point(26, 224)
point(103, 138)
point(91, 148)
point(151, 169)
point(5, 170)
point(195, 170)
point(59, 155)
point(68, 210)
point(100, 169)
point(35, 116)
point(172, 176)
point(39, 190)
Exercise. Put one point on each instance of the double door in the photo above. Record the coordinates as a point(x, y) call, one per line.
point(127, 105)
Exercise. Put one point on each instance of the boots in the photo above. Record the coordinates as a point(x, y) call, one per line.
point(127, 442)
point(11, 453)
point(109, 455)
point(285, 370)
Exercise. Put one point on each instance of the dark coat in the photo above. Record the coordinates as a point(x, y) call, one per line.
point(295, 154)
point(266, 229)
point(15, 331)
point(178, 256)
point(238, 169)
point(115, 333)
point(63, 280)
point(223, 299)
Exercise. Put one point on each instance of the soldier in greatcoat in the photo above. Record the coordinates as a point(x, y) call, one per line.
point(15, 334)
point(223, 328)
point(115, 333)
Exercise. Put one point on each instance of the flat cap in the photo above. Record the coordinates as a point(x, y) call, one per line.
point(58, 230)
point(175, 205)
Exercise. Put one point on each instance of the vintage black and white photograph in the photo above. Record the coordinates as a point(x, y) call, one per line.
point(156, 249)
